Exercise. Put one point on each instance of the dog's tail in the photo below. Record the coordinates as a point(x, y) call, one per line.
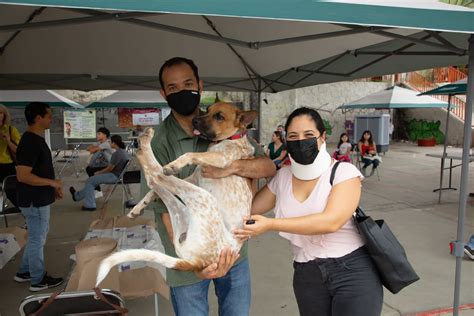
point(140, 255)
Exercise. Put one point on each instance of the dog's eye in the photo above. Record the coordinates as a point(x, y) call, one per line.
point(218, 117)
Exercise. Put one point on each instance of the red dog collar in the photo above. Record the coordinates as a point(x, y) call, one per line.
point(238, 136)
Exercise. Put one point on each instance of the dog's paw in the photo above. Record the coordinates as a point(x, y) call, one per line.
point(134, 214)
point(169, 171)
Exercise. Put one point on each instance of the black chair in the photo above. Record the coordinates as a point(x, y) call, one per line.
point(108, 302)
point(125, 178)
point(8, 198)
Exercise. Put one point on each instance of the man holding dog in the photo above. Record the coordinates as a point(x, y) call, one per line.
point(181, 87)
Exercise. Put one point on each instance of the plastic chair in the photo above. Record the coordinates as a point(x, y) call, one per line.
point(125, 178)
point(105, 302)
point(7, 207)
point(357, 160)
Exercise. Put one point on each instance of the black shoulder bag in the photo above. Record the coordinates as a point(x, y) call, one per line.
point(384, 249)
point(11, 152)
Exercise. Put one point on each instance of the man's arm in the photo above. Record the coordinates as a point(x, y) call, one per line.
point(107, 169)
point(24, 175)
point(93, 149)
point(256, 168)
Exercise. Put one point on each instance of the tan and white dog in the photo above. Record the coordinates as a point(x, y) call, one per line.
point(203, 211)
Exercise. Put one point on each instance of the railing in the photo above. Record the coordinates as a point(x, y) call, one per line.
point(420, 83)
point(447, 74)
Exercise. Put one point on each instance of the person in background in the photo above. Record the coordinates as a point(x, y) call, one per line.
point(333, 273)
point(368, 152)
point(344, 147)
point(9, 140)
point(37, 190)
point(100, 155)
point(107, 175)
point(276, 150)
point(281, 129)
point(101, 152)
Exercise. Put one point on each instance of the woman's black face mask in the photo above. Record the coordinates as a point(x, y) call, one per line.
point(184, 102)
point(303, 151)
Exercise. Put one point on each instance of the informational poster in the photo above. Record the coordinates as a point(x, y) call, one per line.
point(145, 117)
point(79, 124)
point(128, 118)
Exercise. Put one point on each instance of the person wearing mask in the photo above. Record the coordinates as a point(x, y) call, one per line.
point(182, 88)
point(276, 150)
point(107, 175)
point(333, 273)
point(36, 191)
point(9, 140)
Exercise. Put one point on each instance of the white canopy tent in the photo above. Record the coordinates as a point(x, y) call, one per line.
point(394, 98)
point(239, 45)
point(248, 46)
point(131, 99)
point(20, 98)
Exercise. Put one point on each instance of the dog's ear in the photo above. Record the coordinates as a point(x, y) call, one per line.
point(246, 117)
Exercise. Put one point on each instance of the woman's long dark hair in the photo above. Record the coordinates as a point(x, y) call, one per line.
point(370, 140)
point(311, 113)
point(340, 139)
point(280, 136)
point(117, 140)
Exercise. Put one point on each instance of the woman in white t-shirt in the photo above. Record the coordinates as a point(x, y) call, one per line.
point(333, 274)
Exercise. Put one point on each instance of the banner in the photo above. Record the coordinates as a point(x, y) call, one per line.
point(129, 118)
point(79, 124)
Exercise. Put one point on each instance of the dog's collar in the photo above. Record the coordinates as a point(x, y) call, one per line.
point(238, 135)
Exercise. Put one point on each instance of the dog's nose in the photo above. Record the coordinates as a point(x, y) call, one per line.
point(195, 122)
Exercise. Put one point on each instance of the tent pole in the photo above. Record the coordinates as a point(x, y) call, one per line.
point(259, 109)
point(444, 150)
point(459, 245)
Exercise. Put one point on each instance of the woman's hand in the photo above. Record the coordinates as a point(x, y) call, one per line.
point(262, 224)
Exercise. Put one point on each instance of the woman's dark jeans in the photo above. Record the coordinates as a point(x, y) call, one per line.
point(368, 162)
point(343, 286)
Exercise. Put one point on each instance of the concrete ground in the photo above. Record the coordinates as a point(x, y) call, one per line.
point(403, 197)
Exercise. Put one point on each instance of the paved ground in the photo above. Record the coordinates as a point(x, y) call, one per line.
point(403, 197)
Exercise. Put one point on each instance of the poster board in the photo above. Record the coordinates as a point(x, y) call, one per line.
point(128, 118)
point(79, 124)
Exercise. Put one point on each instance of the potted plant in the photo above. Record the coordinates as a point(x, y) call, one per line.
point(425, 133)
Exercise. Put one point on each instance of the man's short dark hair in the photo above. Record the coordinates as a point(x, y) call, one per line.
point(34, 109)
point(105, 131)
point(178, 61)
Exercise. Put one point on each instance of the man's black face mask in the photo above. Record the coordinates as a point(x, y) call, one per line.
point(184, 102)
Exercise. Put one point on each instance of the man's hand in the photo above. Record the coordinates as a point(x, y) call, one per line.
point(227, 258)
point(57, 184)
point(215, 172)
point(58, 193)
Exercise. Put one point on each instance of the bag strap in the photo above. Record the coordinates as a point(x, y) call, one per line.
point(10, 132)
point(333, 172)
point(46, 303)
point(358, 211)
point(120, 309)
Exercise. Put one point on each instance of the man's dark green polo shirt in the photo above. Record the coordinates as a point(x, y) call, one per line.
point(170, 142)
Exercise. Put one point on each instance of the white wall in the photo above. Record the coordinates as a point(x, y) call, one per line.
point(326, 98)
